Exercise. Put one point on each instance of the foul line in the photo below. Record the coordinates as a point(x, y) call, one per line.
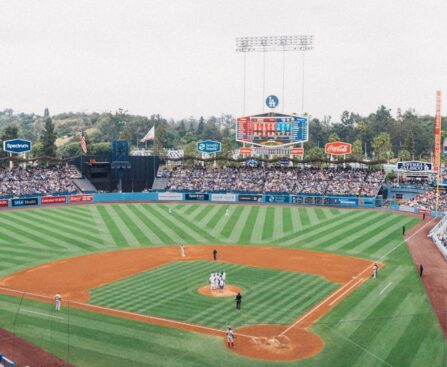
point(356, 276)
point(383, 290)
point(402, 242)
point(346, 291)
point(43, 314)
point(115, 311)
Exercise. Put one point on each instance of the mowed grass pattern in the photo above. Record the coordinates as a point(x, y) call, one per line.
point(386, 322)
point(170, 291)
point(34, 236)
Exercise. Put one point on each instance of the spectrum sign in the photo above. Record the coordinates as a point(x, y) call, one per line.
point(17, 146)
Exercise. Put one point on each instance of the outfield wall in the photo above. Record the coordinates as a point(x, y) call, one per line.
point(305, 200)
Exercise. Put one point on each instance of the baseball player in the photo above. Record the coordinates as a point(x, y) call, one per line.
point(182, 250)
point(227, 213)
point(230, 337)
point(57, 301)
point(170, 210)
point(375, 269)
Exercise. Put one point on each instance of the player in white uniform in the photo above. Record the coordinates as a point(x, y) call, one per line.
point(182, 250)
point(230, 337)
point(227, 213)
point(57, 301)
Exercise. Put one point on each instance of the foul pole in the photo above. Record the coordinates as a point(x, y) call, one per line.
point(437, 148)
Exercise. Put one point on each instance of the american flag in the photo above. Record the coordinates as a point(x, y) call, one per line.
point(83, 144)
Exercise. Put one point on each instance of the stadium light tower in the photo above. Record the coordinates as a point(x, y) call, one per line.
point(282, 44)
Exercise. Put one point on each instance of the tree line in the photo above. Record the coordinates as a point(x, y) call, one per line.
point(379, 135)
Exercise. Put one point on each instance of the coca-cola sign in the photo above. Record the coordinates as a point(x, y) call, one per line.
point(338, 148)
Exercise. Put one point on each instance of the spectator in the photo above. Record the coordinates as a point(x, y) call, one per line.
point(37, 180)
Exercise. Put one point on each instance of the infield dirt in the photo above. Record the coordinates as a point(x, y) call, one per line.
point(74, 277)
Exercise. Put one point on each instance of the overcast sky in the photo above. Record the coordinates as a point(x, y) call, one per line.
point(178, 58)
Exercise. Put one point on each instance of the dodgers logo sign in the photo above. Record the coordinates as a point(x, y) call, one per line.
point(209, 146)
point(272, 101)
point(17, 146)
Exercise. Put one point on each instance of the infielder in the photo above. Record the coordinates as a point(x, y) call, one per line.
point(182, 250)
point(57, 301)
point(230, 337)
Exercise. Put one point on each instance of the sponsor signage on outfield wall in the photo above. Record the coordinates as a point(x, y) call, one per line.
point(53, 200)
point(345, 202)
point(24, 202)
point(3, 203)
point(223, 197)
point(170, 196)
point(198, 197)
point(80, 198)
point(337, 148)
point(277, 199)
point(246, 197)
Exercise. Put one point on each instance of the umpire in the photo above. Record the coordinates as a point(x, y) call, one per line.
point(238, 301)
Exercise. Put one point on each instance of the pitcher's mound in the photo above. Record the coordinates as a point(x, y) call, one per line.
point(228, 291)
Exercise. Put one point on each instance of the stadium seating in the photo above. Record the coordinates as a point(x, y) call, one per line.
point(347, 181)
point(37, 180)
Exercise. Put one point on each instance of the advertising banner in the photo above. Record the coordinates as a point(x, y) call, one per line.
point(17, 146)
point(223, 197)
point(337, 148)
point(345, 201)
point(170, 196)
point(297, 151)
point(414, 166)
point(80, 198)
point(437, 158)
point(247, 197)
point(406, 208)
point(284, 199)
point(24, 202)
point(245, 150)
point(198, 197)
point(3, 203)
point(297, 200)
point(53, 200)
point(208, 146)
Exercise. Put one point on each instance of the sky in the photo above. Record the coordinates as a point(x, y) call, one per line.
point(178, 58)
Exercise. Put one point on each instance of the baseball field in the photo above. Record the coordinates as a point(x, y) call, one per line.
point(130, 299)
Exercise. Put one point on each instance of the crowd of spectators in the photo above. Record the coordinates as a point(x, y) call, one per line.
point(292, 180)
point(37, 180)
point(427, 201)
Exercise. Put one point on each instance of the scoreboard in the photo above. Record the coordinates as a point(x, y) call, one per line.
point(272, 129)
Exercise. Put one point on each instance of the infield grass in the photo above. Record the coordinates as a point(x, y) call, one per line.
point(386, 322)
point(269, 296)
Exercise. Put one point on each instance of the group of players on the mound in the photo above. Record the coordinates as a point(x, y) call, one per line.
point(217, 280)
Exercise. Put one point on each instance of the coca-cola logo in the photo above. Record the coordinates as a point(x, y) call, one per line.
point(338, 148)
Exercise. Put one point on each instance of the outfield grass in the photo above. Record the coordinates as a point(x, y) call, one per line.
point(269, 296)
point(371, 327)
